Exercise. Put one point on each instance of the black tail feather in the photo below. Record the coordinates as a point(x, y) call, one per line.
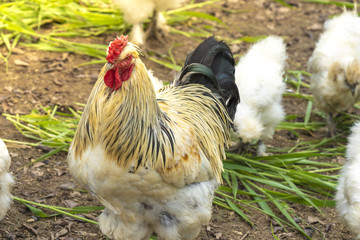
point(217, 72)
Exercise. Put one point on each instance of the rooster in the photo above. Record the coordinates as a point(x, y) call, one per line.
point(259, 79)
point(6, 180)
point(335, 67)
point(348, 189)
point(154, 159)
point(137, 11)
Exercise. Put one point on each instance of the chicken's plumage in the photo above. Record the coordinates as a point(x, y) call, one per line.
point(152, 158)
point(335, 66)
point(348, 189)
point(135, 12)
point(155, 81)
point(6, 180)
point(259, 80)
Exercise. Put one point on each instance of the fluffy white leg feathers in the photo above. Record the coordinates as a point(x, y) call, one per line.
point(6, 180)
point(348, 190)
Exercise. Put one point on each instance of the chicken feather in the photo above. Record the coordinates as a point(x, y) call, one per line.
point(348, 189)
point(152, 158)
point(135, 12)
point(260, 83)
point(335, 66)
point(6, 180)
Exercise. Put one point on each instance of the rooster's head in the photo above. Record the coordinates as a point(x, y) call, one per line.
point(121, 57)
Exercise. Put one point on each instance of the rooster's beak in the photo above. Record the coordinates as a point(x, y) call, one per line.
point(353, 91)
point(352, 87)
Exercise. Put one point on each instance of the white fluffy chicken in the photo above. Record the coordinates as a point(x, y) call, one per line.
point(348, 189)
point(335, 66)
point(6, 180)
point(259, 79)
point(137, 11)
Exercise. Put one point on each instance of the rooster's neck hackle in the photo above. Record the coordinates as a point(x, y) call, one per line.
point(127, 122)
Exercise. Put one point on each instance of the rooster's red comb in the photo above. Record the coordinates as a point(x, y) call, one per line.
point(115, 48)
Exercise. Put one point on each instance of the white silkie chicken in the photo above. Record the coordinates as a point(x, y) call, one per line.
point(6, 180)
point(335, 66)
point(348, 190)
point(260, 83)
point(137, 11)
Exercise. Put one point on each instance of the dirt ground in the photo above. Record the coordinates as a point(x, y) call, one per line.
point(53, 78)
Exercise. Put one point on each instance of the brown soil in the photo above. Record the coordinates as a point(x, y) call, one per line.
point(52, 78)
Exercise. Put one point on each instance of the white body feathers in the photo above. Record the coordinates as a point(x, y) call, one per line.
point(6, 180)
point(348, 189)
point(334, 61)
point(138, 204)
point(137, 11)
point(155, 81)
point(259, 79)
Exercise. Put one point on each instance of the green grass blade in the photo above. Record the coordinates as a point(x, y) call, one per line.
point(234, 184)
point(239, 211)
point(308, 113)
